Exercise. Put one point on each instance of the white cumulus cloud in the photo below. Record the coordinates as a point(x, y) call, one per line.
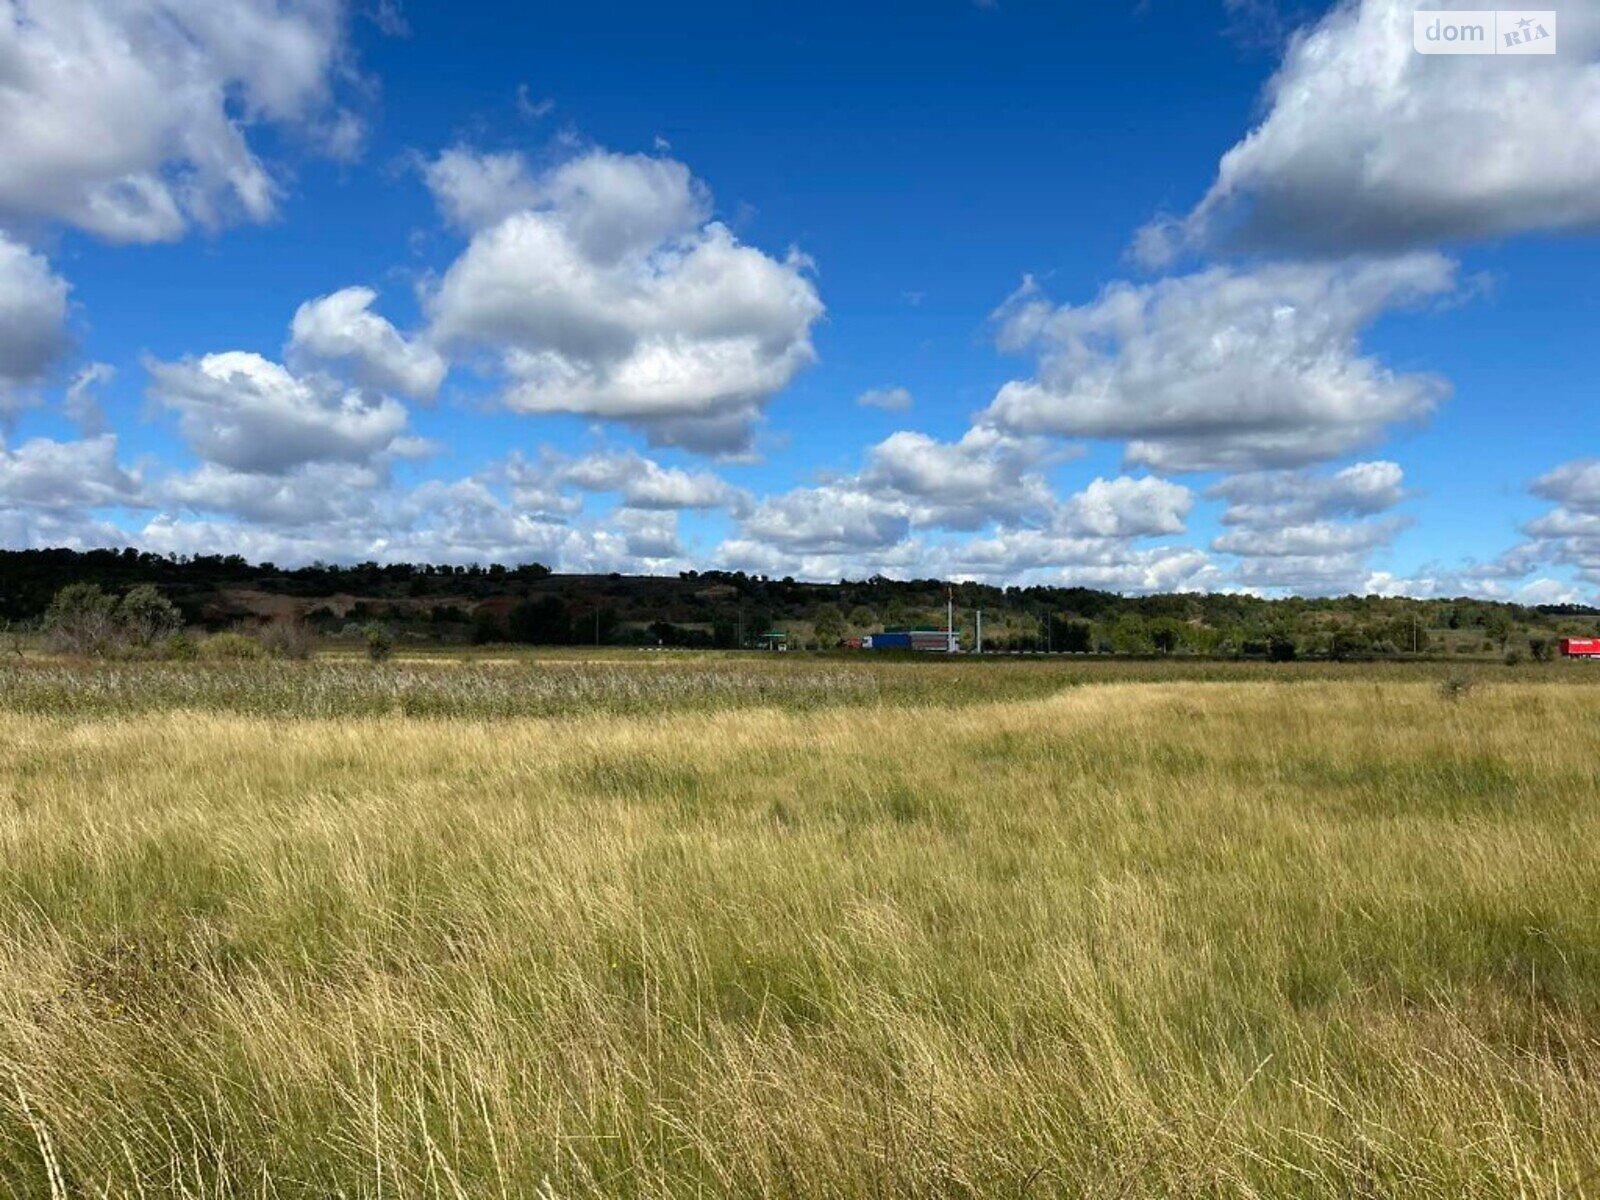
point(246, 413)
point(1226, 369)
point(1369, 146)
point(130, 119)
point(341, 331)
point(606, 291)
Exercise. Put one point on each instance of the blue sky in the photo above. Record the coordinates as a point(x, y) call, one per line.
point(1171, 295)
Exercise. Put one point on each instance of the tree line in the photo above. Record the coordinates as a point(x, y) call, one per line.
point(530, 604)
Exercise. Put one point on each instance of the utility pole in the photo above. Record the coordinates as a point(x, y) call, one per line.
point(978, 634)
point(950, 621)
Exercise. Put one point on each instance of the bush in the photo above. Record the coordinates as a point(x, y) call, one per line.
point(81, 619)
point(380, 642)
point(1457, 686)
point(231, 647)
point(1513, 656)
point(180, 647)
point(289, 638)
point(146, 617)
point(1541, 648)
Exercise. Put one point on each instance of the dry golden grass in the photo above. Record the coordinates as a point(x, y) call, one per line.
point(1190, 939)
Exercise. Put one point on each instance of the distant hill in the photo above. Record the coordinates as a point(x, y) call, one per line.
point(530, 603)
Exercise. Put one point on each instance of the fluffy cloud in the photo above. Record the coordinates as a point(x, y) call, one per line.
point(1574, 485)
point(63, 476)
point(519, 508)
point(910, 481)
point(1280, 498)
point(246, 413)
point(649, 536)
point(50, 491)
point(475, 191)
point(1225, 369)
point(341, 331)
point(33, 316)
point(898, 514)
point(1305, 574)
point(827, 520)
point(644, 483)
point(315, 493)
point(1322, 539)
point(462, 520)
point(607, 292)
point(1547, 591)
point(24, 528)
point(1307, 531)
point(546, 483)
point(1568, 534)
point(1127, 508)
point(1369, 146)
point(129, 119)
point(985, 476)
point(1033, 556)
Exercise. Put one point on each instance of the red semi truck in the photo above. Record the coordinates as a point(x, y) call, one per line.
point(1580, 647)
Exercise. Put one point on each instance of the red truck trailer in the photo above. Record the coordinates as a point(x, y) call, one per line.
point(1580, 647)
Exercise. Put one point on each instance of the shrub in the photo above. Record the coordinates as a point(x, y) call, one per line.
point(1541, 648)
point(231, 647)
point(146, 617)
point(84, 619)
point(1457, 686)
point(1513, 656)
point(180, 647)
point(380, 642)
point(81, 619)
point(289, 638)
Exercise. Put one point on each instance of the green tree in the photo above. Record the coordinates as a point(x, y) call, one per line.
point(1130, 636)
point(146, 617)
point(1166, 635)
point(863, 618)
point(829, 624)
point(1497, 624)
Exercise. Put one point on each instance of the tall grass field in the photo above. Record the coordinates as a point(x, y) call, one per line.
point(652, 927)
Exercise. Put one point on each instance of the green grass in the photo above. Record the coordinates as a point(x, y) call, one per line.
point(811, 928)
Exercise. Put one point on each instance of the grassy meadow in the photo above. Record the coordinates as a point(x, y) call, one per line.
point(657, 926)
